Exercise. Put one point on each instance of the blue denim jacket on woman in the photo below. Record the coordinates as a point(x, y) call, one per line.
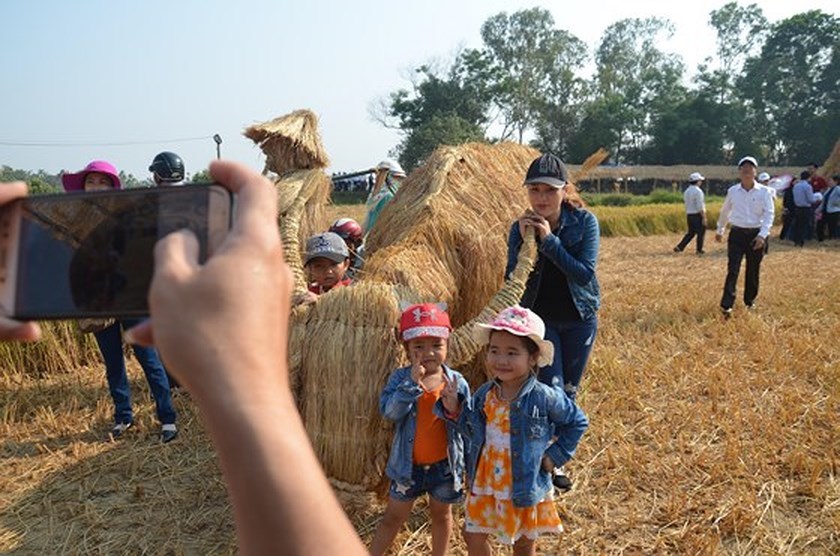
point(573, 247)
point(537, 414)
point(398, 403)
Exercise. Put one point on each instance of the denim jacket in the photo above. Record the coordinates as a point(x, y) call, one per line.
point(537, 414)
point(573, 247)
point(397, 403)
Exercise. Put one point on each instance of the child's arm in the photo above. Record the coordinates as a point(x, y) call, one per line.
point(399, 395)
point(569, 422)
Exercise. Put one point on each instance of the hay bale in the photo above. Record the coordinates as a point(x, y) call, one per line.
point(347, 347)
point(301, 200)
point(455, 210)
point(290, 142)
point(831, 166)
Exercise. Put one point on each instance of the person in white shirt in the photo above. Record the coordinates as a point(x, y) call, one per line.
point(749, 210)
point(695, 213)
point(803, 199)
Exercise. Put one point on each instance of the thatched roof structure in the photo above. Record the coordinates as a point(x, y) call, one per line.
point(290, 142)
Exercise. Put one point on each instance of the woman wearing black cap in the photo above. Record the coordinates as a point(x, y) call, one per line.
point(562, 288)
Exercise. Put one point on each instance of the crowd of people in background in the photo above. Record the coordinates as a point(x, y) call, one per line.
point(810, 209)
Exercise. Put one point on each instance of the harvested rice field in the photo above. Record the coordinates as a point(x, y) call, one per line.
point(707, 436)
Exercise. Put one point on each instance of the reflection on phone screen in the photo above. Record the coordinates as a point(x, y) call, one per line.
point(94, 255)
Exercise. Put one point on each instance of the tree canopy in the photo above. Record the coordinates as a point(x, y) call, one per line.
point(771, 90)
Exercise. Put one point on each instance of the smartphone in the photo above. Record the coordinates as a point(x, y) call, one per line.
point(91, 254)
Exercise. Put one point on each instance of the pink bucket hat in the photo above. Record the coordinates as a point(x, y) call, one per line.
point(76, 182)
point(519, 322)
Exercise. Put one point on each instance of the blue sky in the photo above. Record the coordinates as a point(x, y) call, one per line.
point(96, 73)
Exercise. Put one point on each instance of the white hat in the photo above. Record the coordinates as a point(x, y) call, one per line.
point(519, 322)
point(749, 159)
point(695, 176)
point(764, 176)
point(392, 166)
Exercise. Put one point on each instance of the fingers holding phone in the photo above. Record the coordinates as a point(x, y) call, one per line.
point(237, 302)
point(12, 329)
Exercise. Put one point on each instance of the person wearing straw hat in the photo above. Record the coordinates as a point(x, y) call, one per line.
point(518, 430)
point(748, 209)
point(427, 453)
point(389, 175)
point(695, 213)
point(96, 176)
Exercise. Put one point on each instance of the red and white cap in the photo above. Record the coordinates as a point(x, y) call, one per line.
point(424, 320)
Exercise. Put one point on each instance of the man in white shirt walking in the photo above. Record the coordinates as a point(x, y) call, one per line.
point(749, 211)
point(695, 213)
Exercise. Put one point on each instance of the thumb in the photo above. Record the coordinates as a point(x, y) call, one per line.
point(176, 255)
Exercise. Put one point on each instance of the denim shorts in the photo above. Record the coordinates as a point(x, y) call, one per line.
point(435, 479)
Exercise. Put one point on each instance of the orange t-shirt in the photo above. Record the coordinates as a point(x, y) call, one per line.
point(430, 445)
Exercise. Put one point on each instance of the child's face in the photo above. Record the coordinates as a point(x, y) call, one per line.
point(429, 352)
point(96, 181)
point(508, 359)
point(325, 272)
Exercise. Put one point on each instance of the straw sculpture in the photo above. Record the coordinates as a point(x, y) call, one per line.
point(831, 167)
point(290, 142)
point(445, 241)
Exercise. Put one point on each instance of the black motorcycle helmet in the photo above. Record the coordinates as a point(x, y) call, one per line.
point(168, 167)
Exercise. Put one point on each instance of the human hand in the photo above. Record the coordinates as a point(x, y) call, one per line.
point(718, 237)
point(222, 327)
point(418, 371)
point(547, 464)
point(12, 329)
point(758, 243)
point(449, 395)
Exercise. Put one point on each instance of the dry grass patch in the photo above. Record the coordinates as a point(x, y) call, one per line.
point(707, 436)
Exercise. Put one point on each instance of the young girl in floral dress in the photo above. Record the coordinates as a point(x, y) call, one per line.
point(510, 424)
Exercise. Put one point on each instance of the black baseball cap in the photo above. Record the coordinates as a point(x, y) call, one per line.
point(548, 169)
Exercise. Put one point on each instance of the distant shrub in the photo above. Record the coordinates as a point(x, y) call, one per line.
point(664, 196)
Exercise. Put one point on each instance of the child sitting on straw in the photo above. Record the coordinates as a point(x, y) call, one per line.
point(326, 262)
point(509, 427)
point(427, 454)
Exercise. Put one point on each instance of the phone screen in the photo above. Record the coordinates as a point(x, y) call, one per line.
point(92, 254)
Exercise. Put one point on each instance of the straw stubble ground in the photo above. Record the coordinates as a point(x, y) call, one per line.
point(707, 436)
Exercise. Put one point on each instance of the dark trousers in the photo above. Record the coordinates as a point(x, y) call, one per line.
point(695, 228)
point(802, 225)
point(827, 226)
point(739, 246)
point(787, 224)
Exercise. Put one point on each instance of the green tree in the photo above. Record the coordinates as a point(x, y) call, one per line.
point(532, 68)
point(202, 176)
point(444, 107)
point(792, 88)
point(689, 133)
point(441, 129)
point(635, 83)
